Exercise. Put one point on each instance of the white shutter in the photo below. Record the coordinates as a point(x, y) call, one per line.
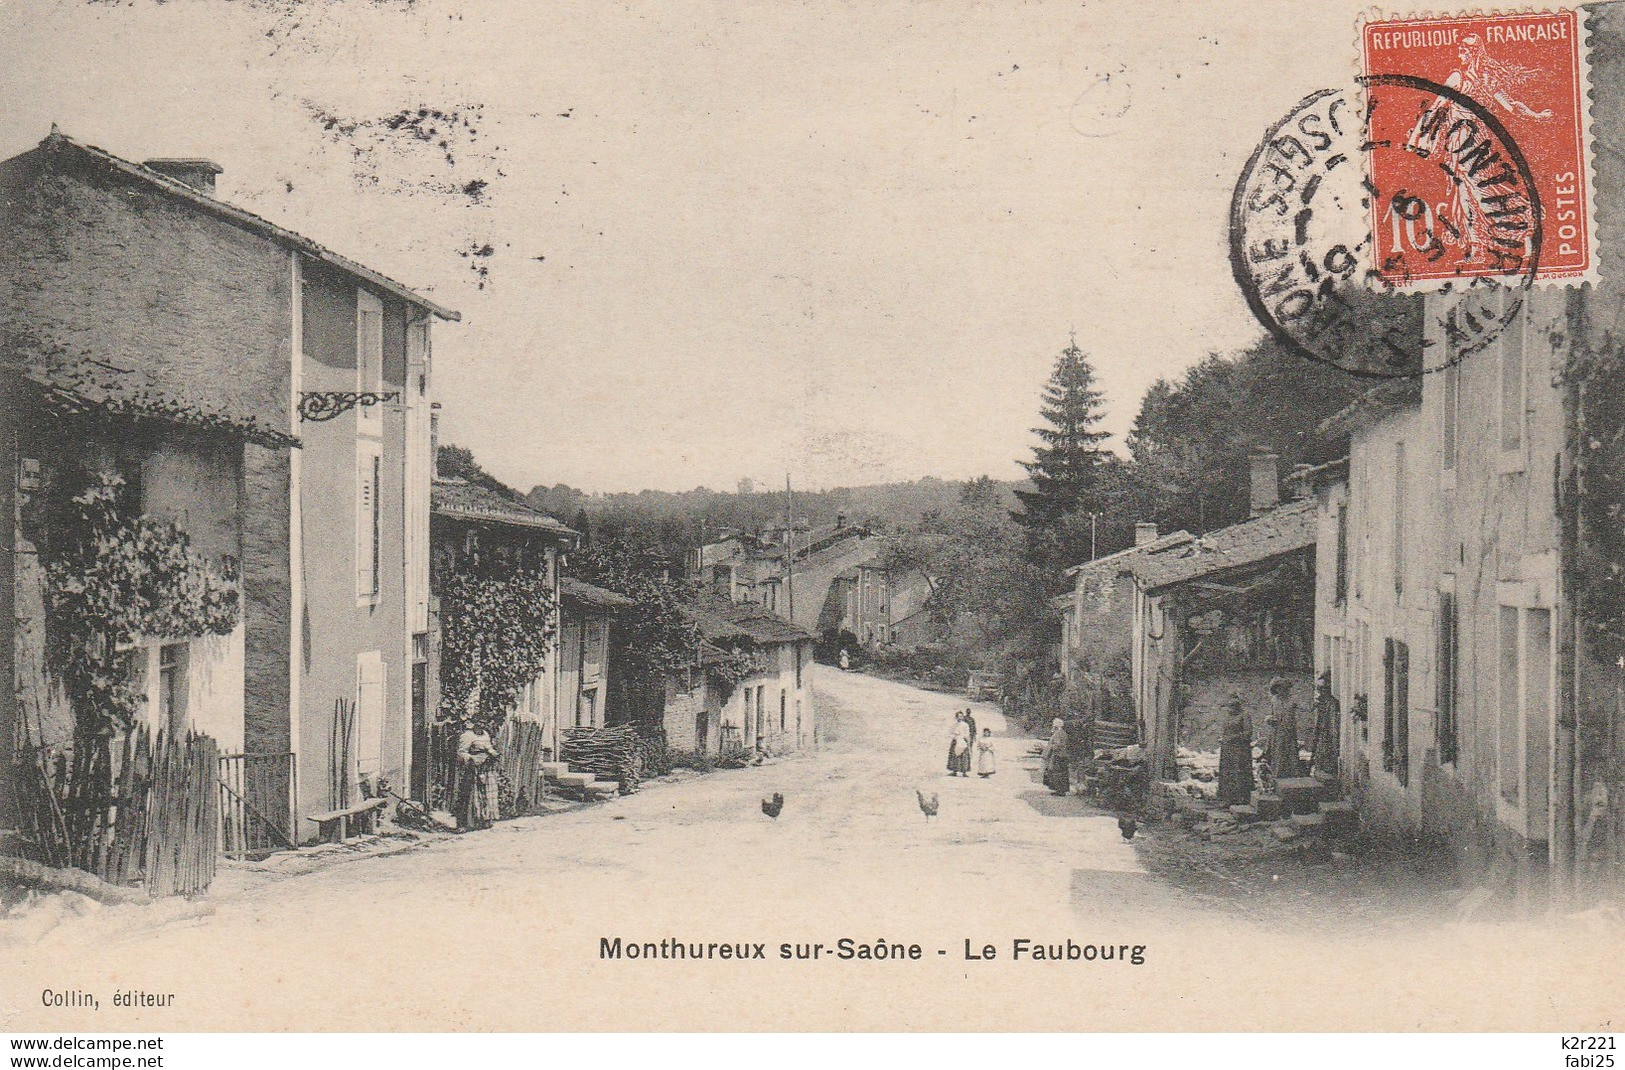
point(369, 358)
point(369, 712)
point(366, 520)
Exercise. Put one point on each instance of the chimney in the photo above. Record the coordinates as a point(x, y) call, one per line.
point(199, 174)
point(1265, 478)
point(840, 520)
point(1298, 484)
point(1144, 533)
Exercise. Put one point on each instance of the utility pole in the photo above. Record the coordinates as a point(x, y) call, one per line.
point(790, 547)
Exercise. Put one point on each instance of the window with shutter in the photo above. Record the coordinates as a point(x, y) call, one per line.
point(369, 712)
point(368, 520)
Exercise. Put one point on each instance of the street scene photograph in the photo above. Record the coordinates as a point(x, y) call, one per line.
point(965, 517)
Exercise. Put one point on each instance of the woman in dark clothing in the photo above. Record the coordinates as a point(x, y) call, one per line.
point(959, 747)
point(1236, 756)
point(1057, 760)
point(1328, 724)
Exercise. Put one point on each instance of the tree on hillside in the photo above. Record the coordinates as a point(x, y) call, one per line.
point(1192, 438)
point(1067, 468)
point(458, 462)
point(984, 588)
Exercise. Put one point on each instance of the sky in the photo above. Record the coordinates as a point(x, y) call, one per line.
point(697, 242)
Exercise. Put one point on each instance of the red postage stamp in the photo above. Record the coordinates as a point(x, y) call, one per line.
point(1486, 169)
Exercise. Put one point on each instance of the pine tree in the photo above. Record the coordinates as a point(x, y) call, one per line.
point(1066, 466)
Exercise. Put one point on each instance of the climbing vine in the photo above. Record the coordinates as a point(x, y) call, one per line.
point(1597, 376)
point(734, 665)
point(496, 634)
point(112, 576)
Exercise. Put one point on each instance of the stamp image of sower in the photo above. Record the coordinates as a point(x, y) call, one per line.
point(1527, 72)
point(1304, 227)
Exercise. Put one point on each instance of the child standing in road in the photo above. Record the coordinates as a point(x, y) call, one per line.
point(986, 761)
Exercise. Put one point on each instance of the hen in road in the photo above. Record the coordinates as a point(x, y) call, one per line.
point(772, 807)
point(928, 803)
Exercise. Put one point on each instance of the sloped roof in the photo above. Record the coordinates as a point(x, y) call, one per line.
point(732, 621)
point(1388, 396)
point(84, 386)
point(1285, 529)
point(1122, 558)
point(247, 220)
point(583, 593)
point(459, 499)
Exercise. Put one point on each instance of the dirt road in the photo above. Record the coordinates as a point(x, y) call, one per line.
point(507, 929)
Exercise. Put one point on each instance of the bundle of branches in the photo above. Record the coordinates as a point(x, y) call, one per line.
point(523, 747)
point(607, 753)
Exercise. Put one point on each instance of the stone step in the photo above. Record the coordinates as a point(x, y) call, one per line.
point(553, 770)
point(1332, 784)
point(1300, 794)
point(1340, 816)
point(1268, 806)
point(573, 779)
point(602, 787)
point(1307, 822)
point(1244, 813)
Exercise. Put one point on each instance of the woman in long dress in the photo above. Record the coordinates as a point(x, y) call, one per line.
point(1057, 759)
point(959, 748)
point(1328, 725)
point(1284, 746)
point(1236, 756)
point(987, 762)
point(476, 778)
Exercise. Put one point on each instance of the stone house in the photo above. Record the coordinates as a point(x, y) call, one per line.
point(588, 692)
point(769, 710)
point(66, 428)
point(1097, 621)
point(790, 574)
point(880, 606)
point(476, 531)
point(116, 261)
point(1224, 613)
point(1470, 618)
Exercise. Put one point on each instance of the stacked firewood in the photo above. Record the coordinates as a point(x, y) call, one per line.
point(523, 747)
point(606, 753)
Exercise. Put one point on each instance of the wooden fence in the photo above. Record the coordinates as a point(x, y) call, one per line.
point(151, 817)
point(257, 793)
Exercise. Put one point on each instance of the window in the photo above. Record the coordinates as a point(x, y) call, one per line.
point(369, 357)
point(1525, 689)
point(798, 666)
point(1507, 742)
point(369, 713)
point(1341, 591)
point(368, 521)
point(1396, 709)
point(1512, 386)
point(1399, 518)
point(172, 688)
point(784, 709)
point(1448, 662)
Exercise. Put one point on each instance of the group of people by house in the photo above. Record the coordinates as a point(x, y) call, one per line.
point(1278, 752)
point(967, 748)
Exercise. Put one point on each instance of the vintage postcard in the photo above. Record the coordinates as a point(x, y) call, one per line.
point(901, 516)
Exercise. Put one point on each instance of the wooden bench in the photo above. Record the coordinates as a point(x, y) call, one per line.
point(335, 826)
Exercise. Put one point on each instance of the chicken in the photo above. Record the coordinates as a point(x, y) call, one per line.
point(928, 803)
point(1127, 825)
point(772, 807)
